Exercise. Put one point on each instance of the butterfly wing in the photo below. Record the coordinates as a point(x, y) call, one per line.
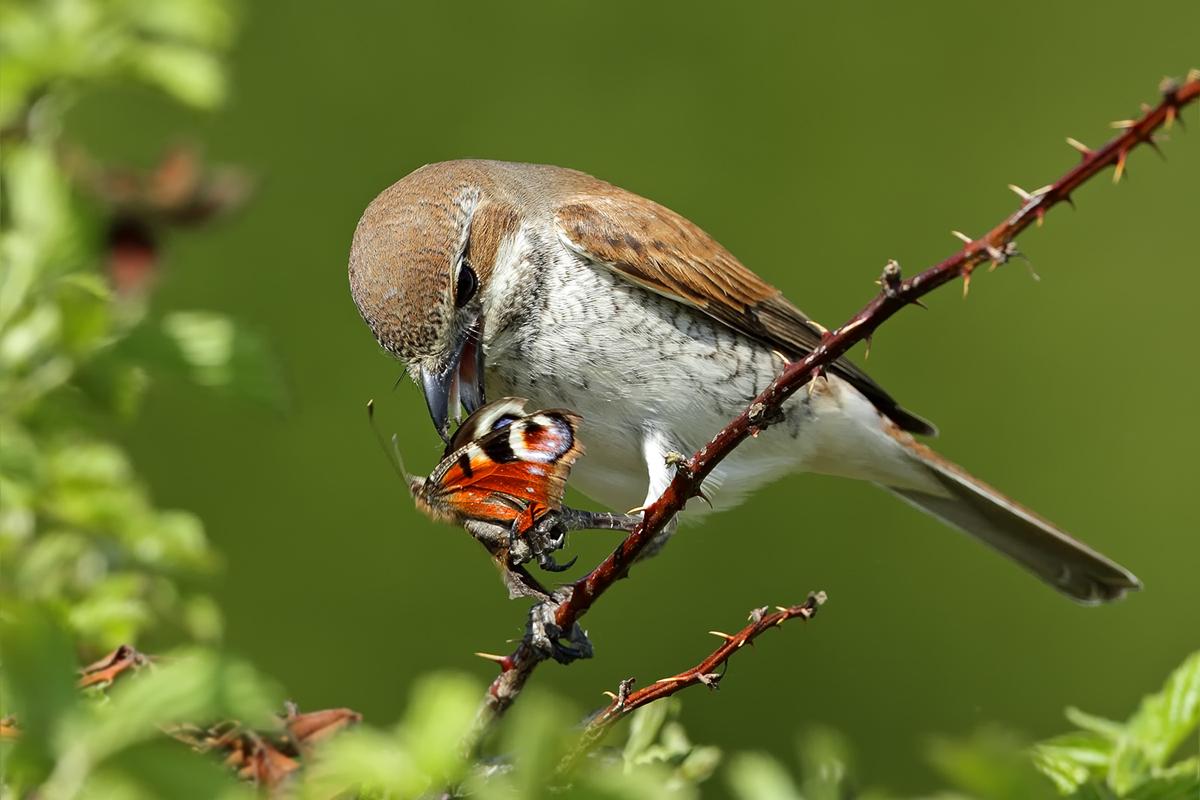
point(499, 477)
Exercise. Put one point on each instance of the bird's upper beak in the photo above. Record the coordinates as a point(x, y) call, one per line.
point(457, 383)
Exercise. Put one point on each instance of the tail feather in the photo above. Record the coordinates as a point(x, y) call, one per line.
point(1061, 561)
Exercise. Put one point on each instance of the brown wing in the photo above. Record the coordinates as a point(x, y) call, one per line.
point(660, 250)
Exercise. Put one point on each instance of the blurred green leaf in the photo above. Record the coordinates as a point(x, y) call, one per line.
point(368, 762)
point(1156, 729)
point(113, 385)
point(40, 671)
point(191, 75)
point(1089, 722)
point(442, 710)
point(824, 764)
point(168, 769)
point(644, 725)
point(202, 22)
point(199, 686)
point(537, 739)
point(1072, 759)
point(85, 304)
point(991, 765)
point(209, 350)
point(1167, 717)
point(1179, 782)
point(700, 764)
point(757, 776)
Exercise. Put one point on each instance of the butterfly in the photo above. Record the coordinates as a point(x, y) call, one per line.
point(502, 477)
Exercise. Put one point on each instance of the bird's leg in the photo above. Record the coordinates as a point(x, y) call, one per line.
point(549, 533)
point(543, 634)
point(574, 520)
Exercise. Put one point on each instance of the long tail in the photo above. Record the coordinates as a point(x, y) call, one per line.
point(973, 507)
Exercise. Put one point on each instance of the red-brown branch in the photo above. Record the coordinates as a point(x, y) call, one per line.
point(996, 247)
point(626, 702)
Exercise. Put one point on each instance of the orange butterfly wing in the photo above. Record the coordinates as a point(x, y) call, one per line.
point(514, 473)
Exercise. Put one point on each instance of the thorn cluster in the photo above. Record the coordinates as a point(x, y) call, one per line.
point(705, 673)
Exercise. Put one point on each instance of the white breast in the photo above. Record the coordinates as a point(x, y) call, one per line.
point(650, 375)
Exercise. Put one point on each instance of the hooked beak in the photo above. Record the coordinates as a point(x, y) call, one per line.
point(458, 383)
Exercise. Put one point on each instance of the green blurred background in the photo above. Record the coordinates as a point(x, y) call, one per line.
point(815, 141)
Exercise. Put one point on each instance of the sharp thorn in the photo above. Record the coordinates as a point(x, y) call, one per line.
point(1080, 146)
point(867, 354)
point(1123, 124)
point(1069, 201)
point(610, 694)
point(700, 493)
point(1154, 146)
point(1041, 216)
point(1146, 108)
point(1170, 120)
point(966, 284)
point(963, 236)
point(637, 510)
point(1024, 195)
point(724, 636)
point(1120, 166)
point(492, 657)
point(1193, 75)
point(919, 303)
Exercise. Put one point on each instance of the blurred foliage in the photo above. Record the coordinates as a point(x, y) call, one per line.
point(87, 561)
point(78, 532)
point(1104, 760)
point(109, 743)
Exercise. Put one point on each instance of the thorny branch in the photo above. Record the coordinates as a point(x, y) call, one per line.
point(268, 759)
point(625, 701)
point(996, 247)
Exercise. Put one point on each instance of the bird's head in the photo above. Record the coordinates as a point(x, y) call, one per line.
point(420, 269)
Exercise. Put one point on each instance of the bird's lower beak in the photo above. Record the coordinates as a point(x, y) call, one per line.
point(457, 384)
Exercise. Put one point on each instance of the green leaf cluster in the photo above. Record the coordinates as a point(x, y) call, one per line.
point(78, 531)
point(1104, 760)
point(112, 745)
point(50, 49)
point(421, 754)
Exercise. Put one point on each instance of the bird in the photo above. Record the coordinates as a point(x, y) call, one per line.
point(489, 278)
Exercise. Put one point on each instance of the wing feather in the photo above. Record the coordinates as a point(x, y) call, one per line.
point(659, 250)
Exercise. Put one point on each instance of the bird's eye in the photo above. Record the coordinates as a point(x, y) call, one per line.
point(465, 286)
